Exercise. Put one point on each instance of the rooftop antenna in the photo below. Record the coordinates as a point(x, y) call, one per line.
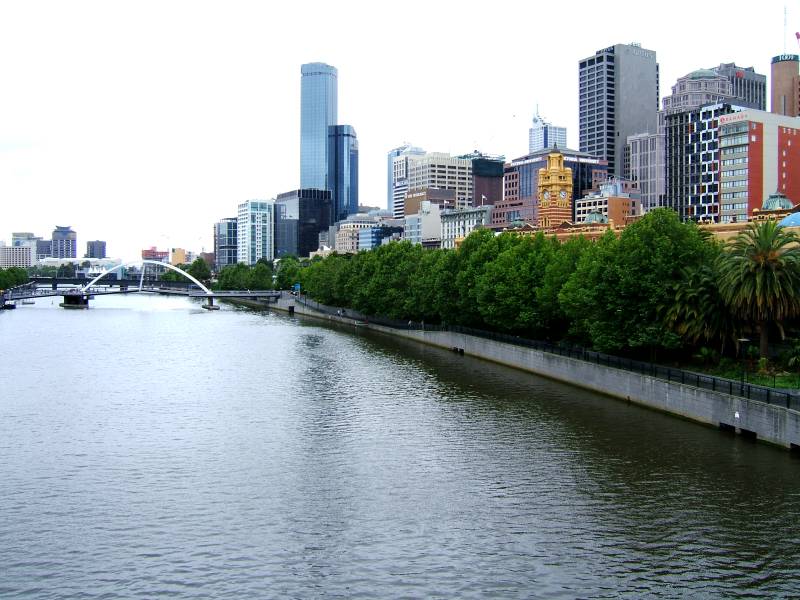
point(784, 29)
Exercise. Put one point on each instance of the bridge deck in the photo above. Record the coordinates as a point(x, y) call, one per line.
point(32, 292)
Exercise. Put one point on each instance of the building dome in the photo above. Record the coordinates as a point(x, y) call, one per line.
point(703, 74)
point(595, 218)
point(777, 201)
point(792, 220)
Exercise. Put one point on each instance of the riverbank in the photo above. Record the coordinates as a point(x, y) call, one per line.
point(757, 420)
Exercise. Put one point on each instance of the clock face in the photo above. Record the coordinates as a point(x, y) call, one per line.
point(563, 194)
point(547, 195)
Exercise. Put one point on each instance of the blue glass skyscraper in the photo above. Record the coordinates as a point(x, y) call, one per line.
point(318, 98)
point(343, 171)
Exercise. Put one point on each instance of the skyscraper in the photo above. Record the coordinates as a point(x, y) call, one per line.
point(254, 231)
point(618, 98)
point(543, 135)
point(318, 111)
point(342, 171)
point(225, 242)
point(398, 176)
point(300, 216)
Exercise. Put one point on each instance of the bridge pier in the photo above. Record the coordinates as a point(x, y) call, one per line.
point(75, 301)
point(209, 305)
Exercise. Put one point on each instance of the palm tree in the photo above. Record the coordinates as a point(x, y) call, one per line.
point(697, 311)
point(759, 276)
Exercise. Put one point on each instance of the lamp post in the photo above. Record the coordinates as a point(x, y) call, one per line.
point(743, 345)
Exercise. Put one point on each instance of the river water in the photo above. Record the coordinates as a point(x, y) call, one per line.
point(150, 449)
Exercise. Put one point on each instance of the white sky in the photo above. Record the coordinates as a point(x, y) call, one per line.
point(143, 122)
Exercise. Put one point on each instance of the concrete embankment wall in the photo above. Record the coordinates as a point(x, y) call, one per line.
point(766, 422)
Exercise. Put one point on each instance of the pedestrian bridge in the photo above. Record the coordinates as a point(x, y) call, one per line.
point(78, 296)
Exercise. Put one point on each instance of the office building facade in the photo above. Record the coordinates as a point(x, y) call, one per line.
point(254, 231)
point(647, 168)
point(300, 216)
point(342, 171)
point(440, 170)
point(692, 157)
point(748, 87)
point(619, 91)
point(226, 247)
point(543, 135)
point(459, 223)
point(391, 175)
point(759, 155)
point(318, 112)
point(785, 87)
point(64, 243)
point(95, 249)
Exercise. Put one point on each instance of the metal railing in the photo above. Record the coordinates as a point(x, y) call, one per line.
point(741, 389)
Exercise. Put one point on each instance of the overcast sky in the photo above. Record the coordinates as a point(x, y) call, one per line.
point(143, 122)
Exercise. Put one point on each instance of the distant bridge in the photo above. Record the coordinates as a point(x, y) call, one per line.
point(78, 296)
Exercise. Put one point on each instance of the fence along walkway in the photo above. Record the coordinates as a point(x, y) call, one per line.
point(788, 399)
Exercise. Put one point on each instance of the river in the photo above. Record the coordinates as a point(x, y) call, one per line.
point(149, 448)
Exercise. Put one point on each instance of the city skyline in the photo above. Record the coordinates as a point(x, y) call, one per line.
point(142, 124)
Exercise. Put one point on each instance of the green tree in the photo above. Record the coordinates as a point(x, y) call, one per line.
point(553, 321)
point(67, 270)
point(234, 277)
point(697, 311)
point(199, 270)
point(476, 252)
point(759, 277)
point(260, 277)
point(506, 289)
point(288, 272)
point(11, 277)
point(614, 295)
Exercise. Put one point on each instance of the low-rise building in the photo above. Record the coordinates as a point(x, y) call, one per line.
point(459, 223)
point(424, 227)
point(152, 253)
point(612, 202)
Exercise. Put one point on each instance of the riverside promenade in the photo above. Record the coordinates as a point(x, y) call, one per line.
point(755, 419)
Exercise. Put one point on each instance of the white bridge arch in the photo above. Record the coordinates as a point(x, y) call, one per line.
point(144, 262)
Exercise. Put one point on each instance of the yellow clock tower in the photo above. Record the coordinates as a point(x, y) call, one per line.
point(554, 192)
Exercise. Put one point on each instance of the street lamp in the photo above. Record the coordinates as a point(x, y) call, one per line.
point(743, 345)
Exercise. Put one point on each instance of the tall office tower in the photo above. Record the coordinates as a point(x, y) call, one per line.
point(342, 171)
point(618, 98)
point(693, 160)
point(226, 247)
point(95, 249)
point(254, 231)
point(300, 216)
point(318, 111)
point(398, 176)
point(748, 87)
point(648, 167)
point(544, 135)
point(785, 92)
point(64, 243)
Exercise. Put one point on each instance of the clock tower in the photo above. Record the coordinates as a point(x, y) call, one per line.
point(554, 192)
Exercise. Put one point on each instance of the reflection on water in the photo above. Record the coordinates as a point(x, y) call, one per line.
point(150, 448)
